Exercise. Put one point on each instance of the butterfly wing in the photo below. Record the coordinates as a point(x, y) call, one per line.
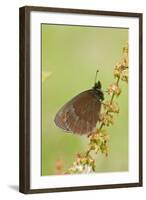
point(80, 114)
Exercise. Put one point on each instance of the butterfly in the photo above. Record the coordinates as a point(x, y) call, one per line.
point(81, 114)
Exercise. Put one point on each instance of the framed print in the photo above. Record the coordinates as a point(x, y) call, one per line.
point(80, 99)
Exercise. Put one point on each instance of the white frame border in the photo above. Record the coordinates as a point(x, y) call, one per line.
point(132, 176)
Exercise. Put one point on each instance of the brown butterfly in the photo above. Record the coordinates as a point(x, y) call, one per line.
point(81, 114)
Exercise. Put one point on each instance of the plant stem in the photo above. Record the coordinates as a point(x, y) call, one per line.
point(102, 124)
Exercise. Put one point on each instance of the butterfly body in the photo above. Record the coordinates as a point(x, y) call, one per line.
point(81, 113)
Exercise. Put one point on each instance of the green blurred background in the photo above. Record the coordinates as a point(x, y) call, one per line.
point(70, 57)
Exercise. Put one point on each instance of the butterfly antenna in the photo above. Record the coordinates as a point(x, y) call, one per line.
point(96, 76)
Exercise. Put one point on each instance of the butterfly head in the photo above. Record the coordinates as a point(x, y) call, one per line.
point(97, 85)
point(97, 90)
